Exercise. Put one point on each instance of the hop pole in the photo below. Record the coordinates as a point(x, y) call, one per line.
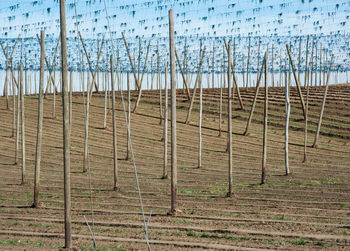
point(66, 135)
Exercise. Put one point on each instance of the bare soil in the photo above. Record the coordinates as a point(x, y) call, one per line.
point(308, 210)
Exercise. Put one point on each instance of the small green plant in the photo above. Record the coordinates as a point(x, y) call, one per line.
point(11, 242)
point(33, 224)
point(298, 242)
point(177, 233)
point(118, 230)
point(191, 233)
point(204, 235)
point(319, 243)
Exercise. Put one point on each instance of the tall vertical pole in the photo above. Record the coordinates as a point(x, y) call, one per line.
point(54, 99)
point(35, 85)
point(165, 132)
point(17, 123)
point(213, 69)
point(229, 129)
point(66, 136)
point(128, 120)
point(280, 67)
point(159, 85)
point(7, 78)
point(115, 158)
point(306, 121)
point(221, 84)
point(173, 114)
point(40, 122)
point(70, 101)
point(320, 72)
point(299, 60)
point(306, 71)
point(258, 65)
point(263, 172)
point(105, 101)
point(200, 123)
point(13, 107)
point(272, 69)
point(286, 152)
point(316, 64)
point(312, 61)
point(248, 64)
point(22, 86)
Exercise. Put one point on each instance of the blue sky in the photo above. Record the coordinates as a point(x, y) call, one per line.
point(275, 21)
point(193, 17)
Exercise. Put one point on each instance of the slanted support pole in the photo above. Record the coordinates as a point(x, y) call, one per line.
point(296, 80)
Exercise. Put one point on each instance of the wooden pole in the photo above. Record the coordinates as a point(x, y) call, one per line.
point(272, 70)
point(287, 126)
point(306, 122)
point(299, 60)
point(13, 107)
point(40, 122)
point(324, 68)
point(35, 85)
point(185, 63)
point(200, 123)
point(184, 79)
point(263, 171)
point(221, 84)
point(258, 65)
point(317, 134)
point(306, 72)
point(90, 65)
point(140, 81)
point(173, 114)
point(243, 76)
point(312, 61)
point(229, 129)
point(208, 73)
point(316, 59)
point(131, 62)
point(320, 71)
point(246, 132)
point(139, 60)
point(86, 125)
point(296, 80)
point(54, 102)
point(159, 85)
point(105, 101)
point(195, 87)
point(7, 83)
point(128, 120)
point(280, 66)
point(22, 86)
point(70, 102)
point(235, 82)
point(115, 157)
point(26, 82)
point(66, 136)
point(213, 67)
point(17, 122)
point(165, 131)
